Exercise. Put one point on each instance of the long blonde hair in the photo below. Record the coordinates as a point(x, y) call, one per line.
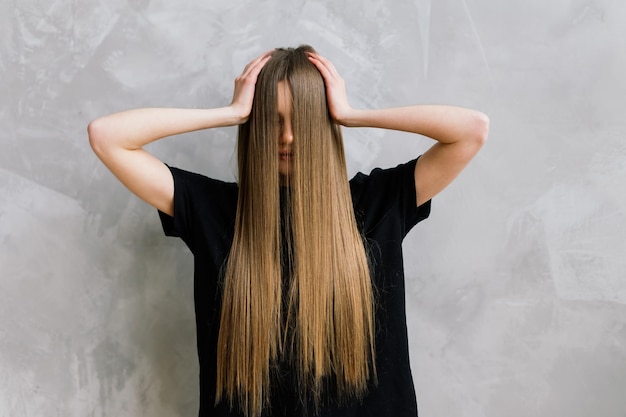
point(322, 320)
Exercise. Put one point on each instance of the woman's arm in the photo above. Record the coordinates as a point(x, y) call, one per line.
point(118, 139)
point(459, 132)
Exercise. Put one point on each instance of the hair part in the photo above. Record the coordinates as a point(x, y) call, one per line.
point(325, 325)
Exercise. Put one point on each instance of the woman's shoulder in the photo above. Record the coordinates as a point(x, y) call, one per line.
point(200, 181)
point(382, 178)
point(387, 196)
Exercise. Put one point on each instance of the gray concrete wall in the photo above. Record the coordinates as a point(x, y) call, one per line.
point(516, 284)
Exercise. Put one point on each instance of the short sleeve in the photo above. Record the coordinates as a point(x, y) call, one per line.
point(388, 196)
point(202, 206)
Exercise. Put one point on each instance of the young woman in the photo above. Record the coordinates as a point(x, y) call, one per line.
point(299, 282)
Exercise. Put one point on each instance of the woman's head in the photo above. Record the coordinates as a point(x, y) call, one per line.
point(289, 106)
point(321, 321)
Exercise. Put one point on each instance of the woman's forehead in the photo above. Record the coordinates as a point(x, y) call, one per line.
point(283, 98)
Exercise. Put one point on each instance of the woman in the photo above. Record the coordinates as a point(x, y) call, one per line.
point(299, 283)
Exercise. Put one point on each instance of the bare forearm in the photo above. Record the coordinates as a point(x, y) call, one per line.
point(445, 124)
point(133, 129)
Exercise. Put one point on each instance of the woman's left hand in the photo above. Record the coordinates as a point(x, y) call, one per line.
point(338, 104)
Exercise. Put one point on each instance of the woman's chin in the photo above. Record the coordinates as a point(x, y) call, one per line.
point(285, 168)
point(285, 176)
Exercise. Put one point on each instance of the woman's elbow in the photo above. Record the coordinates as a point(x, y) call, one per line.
point(96, 130)
point(480, 128)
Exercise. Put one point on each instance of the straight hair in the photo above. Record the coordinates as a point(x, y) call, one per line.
point(304, 296)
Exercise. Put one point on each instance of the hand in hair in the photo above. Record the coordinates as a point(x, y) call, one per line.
point(118, 139)
point(338, 104)
point(245, 85)
point(459, 132)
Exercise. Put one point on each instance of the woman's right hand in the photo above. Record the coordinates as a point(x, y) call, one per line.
point(245, 84)
point(118, 139)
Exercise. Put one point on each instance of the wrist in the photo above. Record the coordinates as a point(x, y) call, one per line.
point(350, 118)
point(232, 116)
point(237, 115)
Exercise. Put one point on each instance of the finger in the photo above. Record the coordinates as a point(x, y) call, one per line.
point(259, 60)
point(258, 66)
point(325, 63)
point(326, 74)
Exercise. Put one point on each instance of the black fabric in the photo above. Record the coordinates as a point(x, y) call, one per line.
point(385, 207)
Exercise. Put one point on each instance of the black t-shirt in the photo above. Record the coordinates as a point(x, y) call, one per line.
point(385, 208)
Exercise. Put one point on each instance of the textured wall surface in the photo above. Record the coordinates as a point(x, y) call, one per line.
point(516, 284)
